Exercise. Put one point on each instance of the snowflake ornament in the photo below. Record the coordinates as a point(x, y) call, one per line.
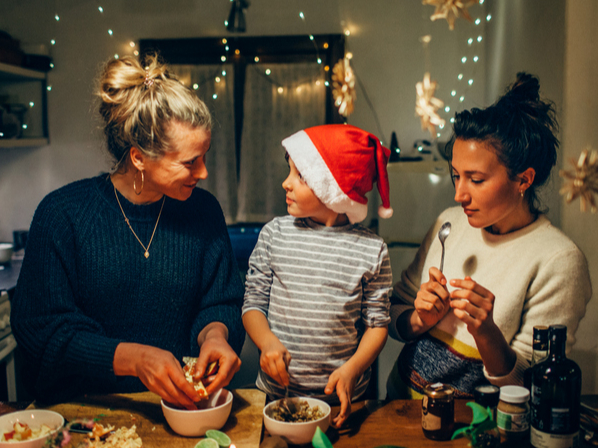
point(450, 10)
point(343, 87)
point(426, 105)
point(584, 181)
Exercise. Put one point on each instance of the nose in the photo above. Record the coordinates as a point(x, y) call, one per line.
point(200, 171)
point(461, 193)
point(286, 184)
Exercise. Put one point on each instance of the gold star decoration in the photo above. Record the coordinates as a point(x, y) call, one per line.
point(583, 181)
point(450, 10)
point(426, 105)
point(343, 86)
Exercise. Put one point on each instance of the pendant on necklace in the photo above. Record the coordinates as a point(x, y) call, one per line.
point(146, 254)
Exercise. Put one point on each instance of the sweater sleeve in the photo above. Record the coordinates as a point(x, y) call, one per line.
point(558, 295)
point(61, 346)
point(375, 303)
point(405, 290)
point(259, 274)
point(222, 291)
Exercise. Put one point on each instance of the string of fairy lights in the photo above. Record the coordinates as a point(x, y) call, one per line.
point(458, 91)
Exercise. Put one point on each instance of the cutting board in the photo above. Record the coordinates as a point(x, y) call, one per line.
point(244, 425)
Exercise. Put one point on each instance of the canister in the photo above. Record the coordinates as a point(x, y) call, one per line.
point(438, 411)
point(513, 413)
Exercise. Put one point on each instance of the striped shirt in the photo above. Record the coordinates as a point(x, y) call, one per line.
point(319, 287)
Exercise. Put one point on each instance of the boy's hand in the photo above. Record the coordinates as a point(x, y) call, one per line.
point(275, 360)
point(343, 381)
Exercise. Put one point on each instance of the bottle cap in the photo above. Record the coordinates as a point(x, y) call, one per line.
point(558, 332)
point(514, 394)
point(487, 395)
point(439, 390)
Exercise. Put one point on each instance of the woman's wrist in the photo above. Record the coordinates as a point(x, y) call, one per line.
point(214, 330)
point(124, 357)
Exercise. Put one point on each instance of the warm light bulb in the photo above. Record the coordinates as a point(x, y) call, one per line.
point(268, 71)
point(116, 56)
point(223, 58)
point(217, 79)
point(470, 82)
point(51, 65)
point(215, 96)
point(223, 72)
point(326, 83)
point(226, 47)
point(110, 32)
point(311, 37)
point(447, 109)
point(195, 86)
point(319, 61)
point(326, 68)
point(226, 23)
point(347, 33)
point(452, 120)
point(479, 38)
point(136, 53)
point(461, 99)
point(477, 21)
point(49, 88)
point(132, 44)
point(302, 15)
point(256, 59)
point(464, 59)
point(53, 42)
point(31, 104)
point(224, 41)
point(460, 77)
point(349, 55)
point(24, 126)
point(318, 82)
point(476, 59)
point(280, 90)
point(488, 17)
point(56, 17)
point(100, 9)
point(453, 92)
point(237, 52)
point(325, 45)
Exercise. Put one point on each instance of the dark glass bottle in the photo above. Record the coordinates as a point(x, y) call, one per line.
point(555, 391)
point(539, 352)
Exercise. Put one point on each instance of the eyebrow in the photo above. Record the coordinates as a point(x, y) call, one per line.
point(470, 172)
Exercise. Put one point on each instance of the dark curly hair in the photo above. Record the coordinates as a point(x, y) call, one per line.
point(521, 129)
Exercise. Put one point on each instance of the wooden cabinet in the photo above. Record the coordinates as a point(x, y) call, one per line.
point(26, 90)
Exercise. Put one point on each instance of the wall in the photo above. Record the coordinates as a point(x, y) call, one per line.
point(579, 131)
point(388, 59)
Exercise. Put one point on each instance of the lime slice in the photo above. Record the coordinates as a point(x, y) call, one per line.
point(207, 443)
point(222, 439)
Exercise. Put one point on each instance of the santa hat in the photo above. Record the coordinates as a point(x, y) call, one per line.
point(340, 163)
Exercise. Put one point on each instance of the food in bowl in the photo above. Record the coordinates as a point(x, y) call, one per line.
point(299, 432)
point(29, 428)
point(210, 414)
point(22, 431)
point(304, 413)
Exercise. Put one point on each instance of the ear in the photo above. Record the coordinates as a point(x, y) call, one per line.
point(526, 179)
point(137, 158)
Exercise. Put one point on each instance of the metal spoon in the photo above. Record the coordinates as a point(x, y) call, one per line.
point(288, 404)
point(443, 233)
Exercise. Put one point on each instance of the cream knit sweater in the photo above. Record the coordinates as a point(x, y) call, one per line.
point(537, 275)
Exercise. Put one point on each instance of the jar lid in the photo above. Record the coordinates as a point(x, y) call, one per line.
point(439, 390)
point(487, 395)
point(514, 394)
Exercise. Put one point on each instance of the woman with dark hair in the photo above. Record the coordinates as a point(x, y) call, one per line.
point(128, 272)
point(506, 269)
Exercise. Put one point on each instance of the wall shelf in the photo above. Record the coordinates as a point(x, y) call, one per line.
point(26, 90)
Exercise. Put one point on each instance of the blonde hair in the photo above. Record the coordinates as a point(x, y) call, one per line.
point(137, 104)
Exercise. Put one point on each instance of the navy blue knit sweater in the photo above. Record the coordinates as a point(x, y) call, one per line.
point(85, 285)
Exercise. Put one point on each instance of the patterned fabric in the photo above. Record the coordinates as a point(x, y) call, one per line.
point(85, 285)
point(319, 287)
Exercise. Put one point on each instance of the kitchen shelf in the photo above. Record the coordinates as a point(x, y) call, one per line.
point(422, 166)
point(25, 87)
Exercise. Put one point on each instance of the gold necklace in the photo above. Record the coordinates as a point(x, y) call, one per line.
point(129, 224)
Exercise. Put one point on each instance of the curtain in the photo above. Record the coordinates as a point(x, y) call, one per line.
point(214, 84)
point(280, 99)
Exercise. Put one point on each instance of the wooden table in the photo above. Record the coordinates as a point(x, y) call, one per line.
point(371, 424)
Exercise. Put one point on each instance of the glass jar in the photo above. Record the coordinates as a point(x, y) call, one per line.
point(513, 414)
point(438, 411)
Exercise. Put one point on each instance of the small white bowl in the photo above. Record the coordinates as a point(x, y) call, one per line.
point(6, 250)
point(212, 414)
point(34, 418)
point(301, 432)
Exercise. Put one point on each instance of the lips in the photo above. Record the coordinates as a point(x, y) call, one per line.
point(289, 201)
point(468, 211)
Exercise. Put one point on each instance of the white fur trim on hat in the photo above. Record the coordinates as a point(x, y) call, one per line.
point(319, 178)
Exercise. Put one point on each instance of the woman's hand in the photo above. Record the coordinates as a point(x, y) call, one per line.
point(432, 301)
point(473, 304)
point(275, 359)
point(343, 381)
point(158, 369)
point(213, 346)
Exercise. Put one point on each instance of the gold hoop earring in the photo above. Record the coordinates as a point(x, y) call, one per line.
point(142, 182)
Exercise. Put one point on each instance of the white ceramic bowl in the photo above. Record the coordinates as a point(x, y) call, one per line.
point(6, 250)
point(297, 433)
point(34, 418)
point(212, 414)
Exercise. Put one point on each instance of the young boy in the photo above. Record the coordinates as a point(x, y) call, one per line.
point(316, 299)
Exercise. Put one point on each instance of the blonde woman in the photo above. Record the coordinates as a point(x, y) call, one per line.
point(126, 273)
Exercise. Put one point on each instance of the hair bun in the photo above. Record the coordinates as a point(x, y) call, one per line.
point(526, 89)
